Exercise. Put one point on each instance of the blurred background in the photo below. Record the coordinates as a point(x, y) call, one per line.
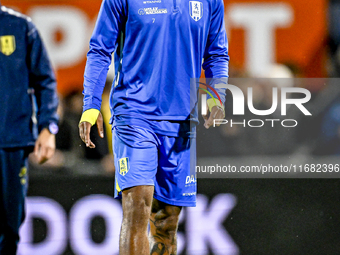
point(296, 43)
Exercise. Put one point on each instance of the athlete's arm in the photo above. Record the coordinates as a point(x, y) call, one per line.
point(103, 43)
point(216, 60)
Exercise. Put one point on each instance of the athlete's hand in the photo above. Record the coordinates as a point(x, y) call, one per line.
point(216, 113)
point(44, 146)
point(85, 128)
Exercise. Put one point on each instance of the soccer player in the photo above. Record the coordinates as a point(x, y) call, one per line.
point(159, 47)
point(28, 117)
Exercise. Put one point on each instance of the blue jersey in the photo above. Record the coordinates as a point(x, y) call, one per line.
point(160, 45)
point(27, 82)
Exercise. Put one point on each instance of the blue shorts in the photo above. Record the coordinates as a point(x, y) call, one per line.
point(143, 157)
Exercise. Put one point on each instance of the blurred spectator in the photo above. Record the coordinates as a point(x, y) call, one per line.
point(329, 138)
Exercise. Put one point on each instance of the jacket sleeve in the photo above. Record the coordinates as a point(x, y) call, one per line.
point(103, 43)
point(216, 58)
point(42, 79)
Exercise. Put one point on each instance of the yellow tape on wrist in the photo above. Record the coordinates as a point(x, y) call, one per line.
point(90, 116)
point(214, 102)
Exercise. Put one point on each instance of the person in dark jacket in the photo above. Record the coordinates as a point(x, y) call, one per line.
point(28, 117)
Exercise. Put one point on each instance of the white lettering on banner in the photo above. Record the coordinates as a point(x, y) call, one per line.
point(81, 214)
point(205, 226)
point(72, 23)
point(260, 22)
point(53, 214)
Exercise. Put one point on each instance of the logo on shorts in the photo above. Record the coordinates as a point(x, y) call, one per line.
point(7, 44)
point(189, 194)
point(196, 10)
point(190, 181)
point(123, 166)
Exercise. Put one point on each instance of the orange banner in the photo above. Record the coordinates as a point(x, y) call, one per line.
point(66, 27)
point(291, 32)
point(260, 32)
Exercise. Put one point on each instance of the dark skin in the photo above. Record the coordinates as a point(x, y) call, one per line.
point(216, 113)
point(163, 228)
point(85, 128)
point(136, 202)
point(139, 207)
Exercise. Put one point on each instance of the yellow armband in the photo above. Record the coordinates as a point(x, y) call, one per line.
point(214, 102)
point(90, 116)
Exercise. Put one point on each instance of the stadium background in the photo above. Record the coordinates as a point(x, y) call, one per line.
point(70, 209)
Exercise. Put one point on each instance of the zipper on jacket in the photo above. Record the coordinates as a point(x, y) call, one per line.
point(34, 118)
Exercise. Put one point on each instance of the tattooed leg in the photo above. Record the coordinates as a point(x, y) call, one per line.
point(163, 228)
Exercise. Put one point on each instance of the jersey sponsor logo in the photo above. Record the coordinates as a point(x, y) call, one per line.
point(124, 166)
point(152, 10)
point(196, 10)
point(7, 44)
point(152, 2)
point(189, 194)
point(190, 179)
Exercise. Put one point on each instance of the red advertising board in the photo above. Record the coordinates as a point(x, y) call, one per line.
point(260, 33)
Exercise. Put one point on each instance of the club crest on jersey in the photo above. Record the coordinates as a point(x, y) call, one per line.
point(7, 44)
point(123, 166)
point(196, 10)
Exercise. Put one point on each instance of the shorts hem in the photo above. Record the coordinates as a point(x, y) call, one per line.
point(176, 203)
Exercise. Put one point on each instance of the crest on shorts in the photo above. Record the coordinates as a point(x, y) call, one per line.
point(196, 10)
point(7, 44)
point(124, 166)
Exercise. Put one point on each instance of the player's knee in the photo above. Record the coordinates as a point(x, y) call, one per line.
point(136, 208)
